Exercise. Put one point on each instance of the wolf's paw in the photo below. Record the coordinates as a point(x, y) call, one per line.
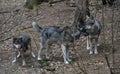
point(87, 48)
point(66, 62)
point(14, 61)
point(95, 52)
point(39, 58)
point(69, 60)
point(90, 52)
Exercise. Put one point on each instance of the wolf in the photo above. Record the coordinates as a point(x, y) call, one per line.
point(21, 44)
point(56, 35)
point(93, 28)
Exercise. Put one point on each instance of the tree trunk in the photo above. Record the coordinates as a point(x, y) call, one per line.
point(81, 12)
point(31, 4)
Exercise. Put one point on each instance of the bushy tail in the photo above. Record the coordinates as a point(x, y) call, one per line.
point(36, 27)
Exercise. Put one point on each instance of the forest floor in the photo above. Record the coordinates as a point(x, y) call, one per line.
point(15, 20)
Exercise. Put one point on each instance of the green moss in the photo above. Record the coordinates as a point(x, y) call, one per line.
point(44, 62)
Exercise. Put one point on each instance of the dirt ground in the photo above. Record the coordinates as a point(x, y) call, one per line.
point(15, 19)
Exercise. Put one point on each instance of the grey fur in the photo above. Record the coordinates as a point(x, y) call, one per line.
point(21, 44)
point(93, 27)
point(57, 35)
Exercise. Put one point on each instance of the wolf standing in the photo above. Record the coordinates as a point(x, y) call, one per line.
point(93, 27)
point(56, 35)
point(21, 44)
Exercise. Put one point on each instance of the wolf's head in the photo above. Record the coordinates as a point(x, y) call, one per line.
point(17, 42)
point(90, 23)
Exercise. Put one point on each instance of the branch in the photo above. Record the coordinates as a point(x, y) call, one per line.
point(7, 21)
point(16, 10)
point(6, 39)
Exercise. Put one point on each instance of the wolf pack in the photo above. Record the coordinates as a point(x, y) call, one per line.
point(63, 36)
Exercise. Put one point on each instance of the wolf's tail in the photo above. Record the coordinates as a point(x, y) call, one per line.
point(36, 27)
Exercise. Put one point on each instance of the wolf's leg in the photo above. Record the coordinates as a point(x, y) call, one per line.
point(67, 52)
point(18, 54)
point(33, 55)
point(15, 58)
point(88, 42)
point(96, 49)
point(91, 46)
point(47, 51)
point(31, 50)
point(39, 52)
point(23, 59)
point(97, 42)
point(68, 58)
point(64, 54)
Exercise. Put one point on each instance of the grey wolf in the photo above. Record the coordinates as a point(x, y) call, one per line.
point(93, 28)
point(21, 44)
point(57, 35)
